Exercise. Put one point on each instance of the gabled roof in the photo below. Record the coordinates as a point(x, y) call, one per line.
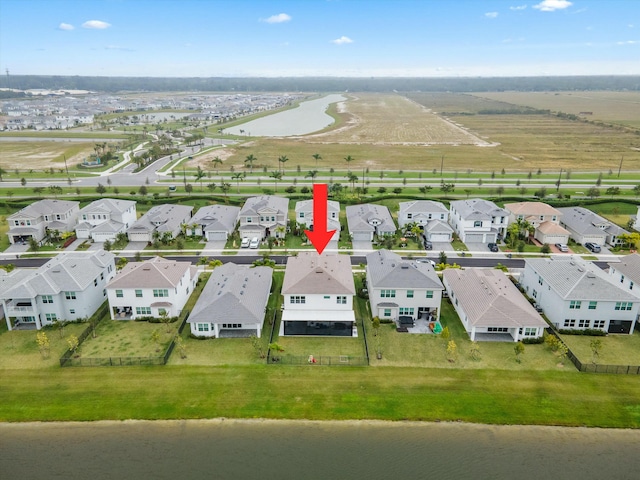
point(388, 270)
point(67, 272)
point(217, 217)
point(156, 272)
point(438, 226)
point(478, 209)
point(531, 208)
point(585, 222)
point(575, 279)
point(307, 206)
point(45, 207)
point(490, 299)
point(168, 217)
point(108, 205)
point(552, 228)
point(422, 206)
point(359, 216)
point(233, 294)
point(629, 266)
point(310, 273)
point(254, 205)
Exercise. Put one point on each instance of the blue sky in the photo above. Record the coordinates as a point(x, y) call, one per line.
point(206, 38)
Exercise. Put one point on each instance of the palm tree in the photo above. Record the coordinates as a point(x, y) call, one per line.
point(312, 174)
point(217, 161)
point(199, 176)
point(317, 157)
point(250, 159)
point(237, 177)
point(353, 179)
point(282, 159)
point(276, 175)
point(225, 187)
point(349, 159)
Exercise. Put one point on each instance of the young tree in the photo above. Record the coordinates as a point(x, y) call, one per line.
point(181, 346)
point(519, 351)
point(445, 335)
point(101, 189)
point(596, 347)
point(43, 344)
point(276, 348)
point(452, 351)
point(73, 343)
point(442, 257)
point(188, 188)
point(258, 346)
point(474, 351)
point(155, 338)
point(375, 323)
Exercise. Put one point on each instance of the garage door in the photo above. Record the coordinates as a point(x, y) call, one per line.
point(474, 237)
point(216, 236)
point(139, 237)
point(362, 237)
point(439, 237)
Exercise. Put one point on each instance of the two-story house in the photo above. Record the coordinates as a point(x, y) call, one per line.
point(264, 216)
point(366, 220)
point(402, 287)
point(432, 217)
point(626, 272)
point(586, 226)
point(233, 302)
point(151, 288)
point(575, 294)
point(478, 221)
point(304, 216)
point(104, 219)
point(69, 287)
point(214, 222)
point(33, 221)
point(543, 217)
point(161, 220)
point(318, 295)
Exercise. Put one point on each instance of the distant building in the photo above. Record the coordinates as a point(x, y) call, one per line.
point(104, 219)
point(214, 222)
point(164, 219)
point(35, 220)
point(543, 217)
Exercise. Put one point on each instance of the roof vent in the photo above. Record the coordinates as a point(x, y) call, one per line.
point(580, 269)
point(146, 267)
point(319, 270)
point(404, 267)
point(591, 275)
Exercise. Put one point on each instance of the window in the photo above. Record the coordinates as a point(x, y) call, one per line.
point(202, 327)
point(574, 304)
point(593, 305)
point(231, 325)
point(598, 324)
point(301, 215)
point(477, 223)
point(406, 311)
point(298, 299)
point(429, 293)
point(47, 299)
point(138, 293)
point(70, 295)
point(621, 278)
point(530, 332)
point(341, 300)
point(119, 294)
point(624, 305)
point(631, 285)
point(95, 282)
point(388, 293)
point(584, 323)
point(160, 292)
point(387, 312)
point(497, 329)
point(539, 279)
point(569, 322)
point(51, 317)
point(409, 293)
point(326, 297)
point(162, 311)
point(143, 310)
point(534, 293)
point(102, 276)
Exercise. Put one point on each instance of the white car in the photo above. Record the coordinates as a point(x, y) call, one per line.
point(562, 247)
point(245, 242)
point(255, 243)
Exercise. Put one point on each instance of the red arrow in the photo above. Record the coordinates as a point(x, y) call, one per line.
point(319, 236)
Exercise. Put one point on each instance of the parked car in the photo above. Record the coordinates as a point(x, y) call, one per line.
point(426, 260)
point(594, 247)
point(428, 245)
point(172, 188)
point(255, 243)
point(493, 247)
point(245, 242)
point(562, 247)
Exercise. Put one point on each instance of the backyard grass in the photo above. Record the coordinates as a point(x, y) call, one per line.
point(616, 349)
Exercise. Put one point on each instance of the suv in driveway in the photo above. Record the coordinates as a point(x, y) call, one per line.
point(562, 247)
point(594, 247)
point(493, 247)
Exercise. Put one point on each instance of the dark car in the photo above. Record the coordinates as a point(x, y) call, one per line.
point(594, 247)
point(428, 245)
point(493, 247)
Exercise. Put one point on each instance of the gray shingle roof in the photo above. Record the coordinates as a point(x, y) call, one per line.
point(156, 272)
point(46, 207)
point(419, 206)
point(629, 266)
point(164, 218)
point(254, 205)
point(575, 279)
point(478, 209)
point(388, 270)
point(310, 273)
point(233, 294)
point(359, 216)
point(108, 205)
point(584, 222)
point(490, 299)
point(217, 217)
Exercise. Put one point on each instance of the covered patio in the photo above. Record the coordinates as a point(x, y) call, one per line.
point(338, 323)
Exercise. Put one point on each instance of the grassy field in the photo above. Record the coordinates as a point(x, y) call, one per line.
point(41, 156)
point(616, 349)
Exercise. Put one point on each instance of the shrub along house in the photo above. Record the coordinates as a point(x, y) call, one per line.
point(575, 294)
point(68, 287)
point(232, 303)
point(400, 287)
point(151, 289)
point(318, 295)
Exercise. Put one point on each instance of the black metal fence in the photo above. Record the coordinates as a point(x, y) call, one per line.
point(326, 360)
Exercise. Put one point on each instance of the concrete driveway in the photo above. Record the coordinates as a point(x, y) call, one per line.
point(440, 247)
point(360, 245)
point(132, 246)
point(479, 249)
point(217, 245)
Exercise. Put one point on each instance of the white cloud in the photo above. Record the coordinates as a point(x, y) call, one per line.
point(628, 42)
point(65, 26)
point(342, 40)
point(280, 18)
point(552, 5)
point(518, 7)
point(96, 24)
point(491, 14)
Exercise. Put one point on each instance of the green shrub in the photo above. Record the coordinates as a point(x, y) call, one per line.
point(592, 332)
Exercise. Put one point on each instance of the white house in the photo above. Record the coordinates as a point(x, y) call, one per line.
point(214, 222)
point(150, 288)
point(432, 217)
point(586, 226)
point(233, 302)
point(304, 216)
point(490, 306)
point(264, 216)
point(103, 219)
point(575, 294)
point(477, 220)
point(164, 219)
point(626, 272)
point(318, 295)
point(34, 220)
point(368, 219)
point(543, 217)
point(402, 287)
point(69, 287)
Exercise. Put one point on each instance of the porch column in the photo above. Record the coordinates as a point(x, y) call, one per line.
point(6, 315)
point(216, 330)
point(37, 317)
point(473, 334)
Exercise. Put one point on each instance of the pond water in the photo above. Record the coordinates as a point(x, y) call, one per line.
point(244, 449)
point(307, 118)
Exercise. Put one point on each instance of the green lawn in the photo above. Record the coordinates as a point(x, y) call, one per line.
point(616, 349)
